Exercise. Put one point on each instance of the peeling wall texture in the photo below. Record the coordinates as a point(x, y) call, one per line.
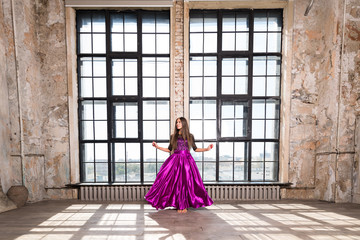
point(324, 143)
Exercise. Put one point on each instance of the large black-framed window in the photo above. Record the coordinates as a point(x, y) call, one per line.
point(234, 78)
point(124, 95)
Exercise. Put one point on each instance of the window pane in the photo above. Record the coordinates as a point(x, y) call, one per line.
point(163, 67)
point(86, 87)
point(228, 41)
point(210, 42)
point(259, 66)
point(149, 152)
point(257, 151)
point(196, 128)
point(99, 43)
point(130, 86)
point(131, 129)
point(241, 109)
point(274, 42)
point(227, 128)
point(242, 41)
point(87, 110)
point(209, 109)
point(271, 171)
point(117, 42)
point(86, 67)
point(273, 66)
point(195, 87)
point(210, 155)
point(133, 172)
point(272, 109)
point(118, 86)
point(241, 85)
point(130, 23)
point(98, 22)
point(209, 171)
point(133, 152)
point(210, 129)
point(228, 67)
point(148, 87)
point(227, 85)
point(100, 109)
point(240, 128)
point(274, 21)
point(196, 66)
point(100, 130)
point(260, 21)
point(240, 172)
point(118, 109)
point(116, 22)
point(85, 43)
point(130, 42)
point(119, 152)
point(101, 172)
point(196, 23)
point(87, 130)
point(99, 87)
point(272, 129)
point(149, 110)
point(119, 129)
point(120, 172)
point(242, 22)
point(162, 43)
point(196, 109)
point(241, 66)
point(118, 67)
point(199, 167)
point(162, 22)
point(131, 111)
point(260, 42)
point(163, 110)
point(148, 23)
point(210, 66)
point(228, 22)
point(258, 129)
point(226, 151)
point(225, 171)
point(88, 152)
point(149, 171)
point(258, 109)
point(257, 171)
point(210, 23)
point(196, 42)
point(209, 87)
point(162, 87)
point(84, 22)
point(227, 110)
point(259, 86)
point(273, 86)
point(89, 172)
point(241, 151)
point(99, 67)
point(271, 151)
point(131, 67)
point(101, 152)
point(148, 44)
point(149, 130)
point(163, 130)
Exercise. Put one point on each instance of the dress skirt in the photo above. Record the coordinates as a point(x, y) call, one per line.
point(178, 184)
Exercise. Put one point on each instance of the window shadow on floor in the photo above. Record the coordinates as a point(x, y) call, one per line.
point(274, 220)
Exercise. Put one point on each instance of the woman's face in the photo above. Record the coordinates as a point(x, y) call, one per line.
point(178, 124)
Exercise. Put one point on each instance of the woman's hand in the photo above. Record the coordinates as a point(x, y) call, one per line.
point(209, 147)
point(155, 145)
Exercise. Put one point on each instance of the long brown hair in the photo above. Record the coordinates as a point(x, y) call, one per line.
point(185, 133)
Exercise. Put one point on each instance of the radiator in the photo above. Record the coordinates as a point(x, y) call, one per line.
point(216, 192)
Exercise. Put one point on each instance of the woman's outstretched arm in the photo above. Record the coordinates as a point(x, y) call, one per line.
point(160, 148)
point(205, 149)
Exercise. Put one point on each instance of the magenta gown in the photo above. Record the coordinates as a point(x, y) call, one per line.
point(178, 183)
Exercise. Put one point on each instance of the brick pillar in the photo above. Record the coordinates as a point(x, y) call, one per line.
point(179, 58)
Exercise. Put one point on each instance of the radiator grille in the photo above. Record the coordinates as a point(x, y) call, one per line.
point(216, 192)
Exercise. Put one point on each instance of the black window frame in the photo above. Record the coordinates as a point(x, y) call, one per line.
point(220, 55)
point(109, 55)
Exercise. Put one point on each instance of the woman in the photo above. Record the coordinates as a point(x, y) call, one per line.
point(178, 183)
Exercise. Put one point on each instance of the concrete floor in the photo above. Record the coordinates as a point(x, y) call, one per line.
point(278, 220)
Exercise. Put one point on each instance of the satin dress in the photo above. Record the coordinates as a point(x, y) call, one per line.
point(178, 183)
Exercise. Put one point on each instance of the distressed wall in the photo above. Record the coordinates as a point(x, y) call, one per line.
point(325, 87)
